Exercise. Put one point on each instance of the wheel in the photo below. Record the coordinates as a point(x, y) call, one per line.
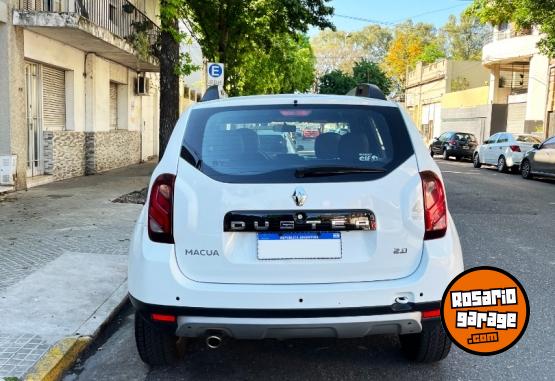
point(155, 346)
point(431, 345)
point(444, 155)
point(526, 170)
point(431, 152)
point(502, 164)
point(476, 160)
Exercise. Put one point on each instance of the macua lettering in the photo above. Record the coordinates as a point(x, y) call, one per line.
point(204, 253)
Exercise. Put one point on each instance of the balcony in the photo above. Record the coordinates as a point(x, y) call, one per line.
point(510, 45)
point(109, 28)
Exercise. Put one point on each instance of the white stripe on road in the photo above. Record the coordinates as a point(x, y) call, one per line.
point(461, 173)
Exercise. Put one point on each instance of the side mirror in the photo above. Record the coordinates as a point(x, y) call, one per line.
point(436, 139)
point(300, 148)
point(536, 146)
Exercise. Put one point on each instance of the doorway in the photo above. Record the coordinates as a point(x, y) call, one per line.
point(35, 165)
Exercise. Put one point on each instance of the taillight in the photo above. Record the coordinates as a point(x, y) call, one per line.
point(160, 209)
point(453, 142)
point(431, 314)
point(435, 206)
point(515, 148)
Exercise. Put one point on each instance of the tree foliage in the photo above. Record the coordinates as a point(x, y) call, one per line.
point(340, 50)
point(370, 72)
point(340, 83)
point(407, 48)
point(465, 37)
point(523, 13)
point(336, 82)
point(229, 31)
point(288, 67)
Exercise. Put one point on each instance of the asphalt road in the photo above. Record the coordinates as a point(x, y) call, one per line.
point(503, 221)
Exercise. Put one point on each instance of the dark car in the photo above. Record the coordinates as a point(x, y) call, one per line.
point(540, 161)
point(454, 144)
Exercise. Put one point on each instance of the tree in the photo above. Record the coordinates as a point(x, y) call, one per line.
point(172, 65)
point(287, 67)
point(406, 48)
point(336, 82)
point(465, 37)
point(339, 50)
point(524, 13)
point(370, 72)
point(432, 52)
point(228, 31)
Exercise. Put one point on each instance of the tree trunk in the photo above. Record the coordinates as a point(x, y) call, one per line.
point(169, 85)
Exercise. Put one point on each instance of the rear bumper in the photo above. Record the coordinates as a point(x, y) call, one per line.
point(460, 152)
point(284, 324)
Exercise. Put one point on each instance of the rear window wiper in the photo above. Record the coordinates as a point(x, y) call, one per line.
point(331, 171)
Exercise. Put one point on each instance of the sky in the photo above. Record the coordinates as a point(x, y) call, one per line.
point(393, 11)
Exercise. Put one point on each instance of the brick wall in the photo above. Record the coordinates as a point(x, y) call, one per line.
point(112, 149)
point(64, 154)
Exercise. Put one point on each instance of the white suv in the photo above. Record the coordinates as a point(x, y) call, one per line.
point(349, 238)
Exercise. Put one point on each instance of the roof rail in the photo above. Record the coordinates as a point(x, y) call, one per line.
point(367, 90)
point(213, 93)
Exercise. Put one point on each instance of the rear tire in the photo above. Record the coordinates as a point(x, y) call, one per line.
point(431, 345)
point(476, 161)
point(502, 164)
point(444, 155)
point(526, 170)
point(155, 346)
point(431, 152)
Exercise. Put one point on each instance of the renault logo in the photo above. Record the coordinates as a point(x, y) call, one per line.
point(299, 196)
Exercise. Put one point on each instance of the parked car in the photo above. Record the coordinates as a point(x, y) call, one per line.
point(540, 161)
point(310, 133)
point(454, 144)
point(237, 242)
point(504, 150)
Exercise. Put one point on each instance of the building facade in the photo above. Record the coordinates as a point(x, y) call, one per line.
point(426, 86)
point(520, 78)
point(78, 87)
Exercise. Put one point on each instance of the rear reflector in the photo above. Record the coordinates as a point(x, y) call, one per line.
point(430, 314)
point(160, 209)
point(515, 148)
point(163, 318)
point(435, 206)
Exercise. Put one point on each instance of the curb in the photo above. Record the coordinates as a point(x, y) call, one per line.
point(62, 356)
point(58, 359)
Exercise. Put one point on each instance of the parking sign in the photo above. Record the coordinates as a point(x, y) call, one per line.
point(215, 74)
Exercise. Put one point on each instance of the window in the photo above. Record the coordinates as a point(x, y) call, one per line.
point(503, 138)
point(527, 139)
point(466, 137)
point(492, 139)
point(267, 144)
point(113, 106)
point(444, 137)
point(549, 144)
point(112, 13)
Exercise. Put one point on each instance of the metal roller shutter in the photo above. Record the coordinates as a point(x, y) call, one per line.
point(53, 98)
point(113, 106)
point(516, 114)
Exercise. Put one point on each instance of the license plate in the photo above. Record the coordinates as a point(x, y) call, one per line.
point(313, 245)
point(466, 147)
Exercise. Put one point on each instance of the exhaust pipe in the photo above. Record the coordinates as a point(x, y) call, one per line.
point(214, 341)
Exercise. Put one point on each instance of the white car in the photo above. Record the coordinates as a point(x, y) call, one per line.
point(504, 150)
point(350, 240)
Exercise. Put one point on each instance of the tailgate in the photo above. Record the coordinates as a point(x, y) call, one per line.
point(208, 250)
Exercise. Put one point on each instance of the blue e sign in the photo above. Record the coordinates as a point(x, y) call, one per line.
point(215, 70)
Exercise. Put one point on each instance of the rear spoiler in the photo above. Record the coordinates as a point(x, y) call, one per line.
point(367, 90)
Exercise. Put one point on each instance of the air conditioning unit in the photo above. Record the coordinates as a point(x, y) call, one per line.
point(7, 169)
point(142, 86)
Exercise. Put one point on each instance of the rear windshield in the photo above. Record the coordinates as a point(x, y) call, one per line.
point(268, 144)
point(527, 139)
point(464, 136)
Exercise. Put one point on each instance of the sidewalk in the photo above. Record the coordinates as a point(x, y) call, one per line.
point(63, 262)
